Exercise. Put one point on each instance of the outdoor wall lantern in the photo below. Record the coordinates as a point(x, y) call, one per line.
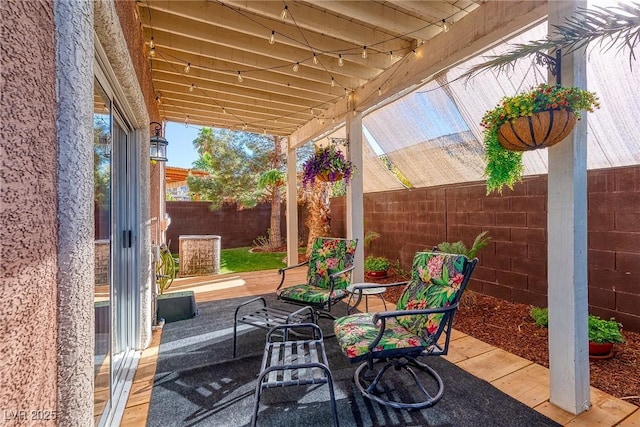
point(158, 145)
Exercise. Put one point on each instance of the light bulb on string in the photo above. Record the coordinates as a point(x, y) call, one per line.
point(264, 131)
point(192, 88)
point(186, 121)
point(240, 77)
point(445, 26)
point(187, 67)
point(151, 43)
point(158, 100)
point(285, 12)
point(272, 39)
point(315, 59)
point(152, 52)
point(333, 82)
point(296, 67)
point(379, 91)
point(340, 60)
point(244, 126)
point(364, 52)
point(224, 111)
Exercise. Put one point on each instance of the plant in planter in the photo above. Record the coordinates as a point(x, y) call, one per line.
point(602, 333)
point(376, 266)
point(535, 119)
point(327, 164)
point(460, 248)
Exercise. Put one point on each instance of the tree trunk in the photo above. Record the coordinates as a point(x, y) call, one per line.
point(319, 219)
point(275, 235)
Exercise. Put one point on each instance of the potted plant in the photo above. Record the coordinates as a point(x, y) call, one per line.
point(327, 164)
point(376, 266)
point(602, 335)
point(535, 119)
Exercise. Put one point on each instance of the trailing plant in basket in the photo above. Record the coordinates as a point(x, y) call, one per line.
point(504, 167)
point(328, 164)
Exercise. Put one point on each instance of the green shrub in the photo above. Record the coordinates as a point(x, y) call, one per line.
point(540, 316)
point(373, 263)
point(602, 331)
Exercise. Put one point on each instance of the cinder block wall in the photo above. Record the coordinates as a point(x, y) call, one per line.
point(514, 265)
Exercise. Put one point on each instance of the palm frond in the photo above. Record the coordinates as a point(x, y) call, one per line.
point(617, 26)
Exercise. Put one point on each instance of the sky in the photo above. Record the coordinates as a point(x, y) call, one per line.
point(180, 151)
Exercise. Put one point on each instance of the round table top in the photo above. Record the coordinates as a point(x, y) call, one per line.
point(367, 291)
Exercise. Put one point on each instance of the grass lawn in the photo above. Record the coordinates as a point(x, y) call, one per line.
point(238, 260)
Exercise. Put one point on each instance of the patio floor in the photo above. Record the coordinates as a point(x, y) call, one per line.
point(523, 380)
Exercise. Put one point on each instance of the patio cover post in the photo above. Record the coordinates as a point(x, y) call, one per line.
point(355, 203)
point(567, 245)
point(292, 208)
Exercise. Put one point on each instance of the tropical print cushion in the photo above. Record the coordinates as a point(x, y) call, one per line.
point(329, 256)
point(356, 332)
point(435, 282)
point(311, 294)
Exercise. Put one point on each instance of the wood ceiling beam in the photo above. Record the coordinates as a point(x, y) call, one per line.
point(220, 99)
point(253, 45)
point(309, 16)
point(392, 19)
point(266, 96)
point(197, 76)
point(482, 29)
point(223, 58)
point(260, 28)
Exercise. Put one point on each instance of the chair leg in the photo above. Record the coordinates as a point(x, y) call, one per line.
point(369, 388)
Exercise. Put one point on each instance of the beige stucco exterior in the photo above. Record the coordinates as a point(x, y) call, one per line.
point(28, 223)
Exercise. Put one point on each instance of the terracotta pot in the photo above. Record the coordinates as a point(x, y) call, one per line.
point(540, 130)
point(326, 177)
point(604, 350)
point(377, 274)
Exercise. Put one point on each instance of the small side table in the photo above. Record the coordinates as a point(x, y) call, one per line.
point(377, 291)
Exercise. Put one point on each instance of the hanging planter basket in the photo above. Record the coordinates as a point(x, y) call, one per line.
point(540, 130)
point(329, 177)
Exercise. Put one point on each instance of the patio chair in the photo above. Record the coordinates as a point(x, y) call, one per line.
point(328, 274)
point(399, 338)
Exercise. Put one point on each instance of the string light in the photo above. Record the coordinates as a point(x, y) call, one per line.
point(264, 131)
point(296, 66)
point(192, 88)
point(244, 126)
point(364, 52)
point(186, 121)
point(152, 52)
point(333, 82)
point(315, 59)
point(272, 39)
point(445, 26)
point(187, 68)
point(158, 100)
point(240, 77)
point(285, 12)
point(224, 111)
point(340, 60)
point(151, 43)
point(379, 91)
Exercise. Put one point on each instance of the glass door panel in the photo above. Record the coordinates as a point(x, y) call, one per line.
point(102, 149)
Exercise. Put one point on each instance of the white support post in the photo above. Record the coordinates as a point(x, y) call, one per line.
point(355, 199)
point(292, 208)
point(567, 245)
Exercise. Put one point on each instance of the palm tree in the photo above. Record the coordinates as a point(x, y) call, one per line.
point(617, 26)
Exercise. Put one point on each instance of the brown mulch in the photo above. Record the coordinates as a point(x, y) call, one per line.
point(509, 327)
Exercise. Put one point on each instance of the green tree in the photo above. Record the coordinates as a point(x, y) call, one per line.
point(240, 167)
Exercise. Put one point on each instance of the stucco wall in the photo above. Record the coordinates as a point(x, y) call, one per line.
point(28, 226)
point(74, 70)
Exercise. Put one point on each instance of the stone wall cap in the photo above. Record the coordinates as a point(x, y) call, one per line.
point(200, 236)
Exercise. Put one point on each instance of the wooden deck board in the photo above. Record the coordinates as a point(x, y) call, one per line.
point(514, 375)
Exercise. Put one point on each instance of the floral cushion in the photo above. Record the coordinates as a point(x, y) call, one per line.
point(311, 294)
point(329, 256)
point(435, 282)
point(356, 332)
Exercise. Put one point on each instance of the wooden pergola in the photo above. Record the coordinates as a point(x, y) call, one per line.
point(301, 68)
